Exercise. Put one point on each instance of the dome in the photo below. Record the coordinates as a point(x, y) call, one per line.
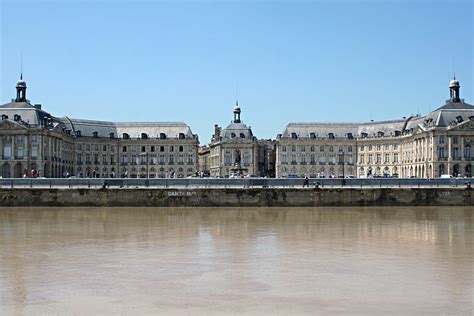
point(453, 83)
point(237, 130)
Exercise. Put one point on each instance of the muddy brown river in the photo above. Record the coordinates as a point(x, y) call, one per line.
point(220, 261)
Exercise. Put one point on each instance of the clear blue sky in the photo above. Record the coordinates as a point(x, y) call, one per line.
point(290, 60)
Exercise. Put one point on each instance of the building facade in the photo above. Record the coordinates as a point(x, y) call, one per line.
point(439, 143)
point(35, 143)
point(235, 142)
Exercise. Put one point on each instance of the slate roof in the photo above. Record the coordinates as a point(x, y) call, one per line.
point(30, 115)
point(450, 114)
point(237, 129)
point(133, 129)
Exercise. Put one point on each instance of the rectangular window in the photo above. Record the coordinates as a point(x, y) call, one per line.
point(361, 148)
point(371, 158)
point(79, 158)
point(379, 158)
point(181, 149)
point(440, 139)
point(112, 148)
point(313, 158)
point(379, 147)
point(284, 158)
point(455, 139)
point(341, 149)
point(303, 158)
point(124, 158)
point(171, 149)
point(293, 158)
point(112, 159)
point(387, 158)
point(19, 153)
point(79, 147)
point(124, 149)
point(152, 149)
point(34, 139)
point(303, 148)
point(171, 158)
point(190, 148)
point(143, 149)
point(370, 147)
point(134, 148)
point(34, 152)
point(104, 159)
point(441, 152)
point(331, 148)
point(162, 148)
point(104, 148)
point(312, 148)
point(19, 139)
point(395, 146)
point(387, 147)
point(88, 158)
point(96, 147)
point(96, 159)
point(321, 149)
point(88, 147)
point(293, 148)
point(395, 157)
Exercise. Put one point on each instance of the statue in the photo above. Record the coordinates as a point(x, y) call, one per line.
point(237, 157)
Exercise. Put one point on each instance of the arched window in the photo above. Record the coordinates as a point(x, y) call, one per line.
point(232, 135)
point(162, 136)
point(242, 135)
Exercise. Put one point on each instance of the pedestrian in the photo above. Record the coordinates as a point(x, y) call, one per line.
point(306, 181)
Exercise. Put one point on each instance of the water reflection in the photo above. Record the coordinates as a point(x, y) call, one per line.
point(236, 260)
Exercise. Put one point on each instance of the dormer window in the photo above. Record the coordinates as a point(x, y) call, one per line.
point(16, 117)
point(4, 117)
point(125, 136)
point(294, 136)
point(181, 136)
point(364, 135)
point(398, 133)
point(242, 135)
point(111, 135)
point(312, 135)
point(331, 135)
point(144, 136)
point(459, 119)
point(232, 135)
point(95, 134)
point(162, 136)
point(471, 118)
point(380, 134)
point(350, 136)
point(78, 133)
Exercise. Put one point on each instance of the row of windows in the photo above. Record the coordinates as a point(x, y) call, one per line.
point(378, 147)
point(378, 158)
point(153, 159)
point(134, 148)
point(314, 159)
point(331, 148)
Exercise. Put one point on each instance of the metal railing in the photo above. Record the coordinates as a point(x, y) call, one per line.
point(231, 183)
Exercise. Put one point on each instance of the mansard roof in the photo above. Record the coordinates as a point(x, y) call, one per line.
point(237, 129)
point(133, 129)
point(30, 115)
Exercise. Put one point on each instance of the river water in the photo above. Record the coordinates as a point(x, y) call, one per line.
point(251, 261)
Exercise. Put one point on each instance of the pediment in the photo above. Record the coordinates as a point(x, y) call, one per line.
point(465, 126)
point(7, 124)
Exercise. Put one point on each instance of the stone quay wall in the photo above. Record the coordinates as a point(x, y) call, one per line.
point(232, 197)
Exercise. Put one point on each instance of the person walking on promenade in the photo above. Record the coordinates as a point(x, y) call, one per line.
point(306, 181)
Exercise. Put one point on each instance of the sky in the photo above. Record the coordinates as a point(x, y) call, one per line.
point(285, 61)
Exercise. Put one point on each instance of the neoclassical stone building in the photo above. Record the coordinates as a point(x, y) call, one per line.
point(418, 146)
point(35, 143)
point(227, 144)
